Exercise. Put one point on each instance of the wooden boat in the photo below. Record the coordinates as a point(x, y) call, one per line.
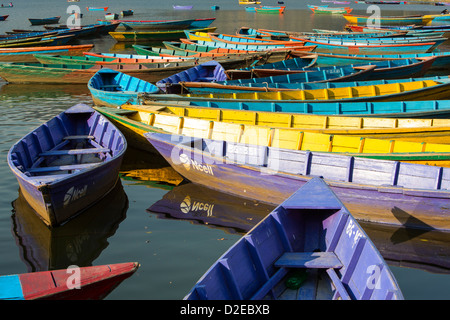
point(103, 59)
point(330, 10)
point(111, 16)
point(388, 69)
point(17, 72)
point(97, 8)
point(95, 283)
point(3, 18)
point(308, 248)
point(385, 21)
point(142, 36)
point(268, 57)
point(380, 191)
point(205, 72)
point(51, 20)
point(242, 46)
point(113, 88)
point(68, 163)
point(58, 40)
point(26, 54)
point(176, 7)
point(358, 48)
point(441, 61)
point(223, 87)
point(145, 117)
point(428, 109)
point(125, 13)
point(167, 24)
point(436, 131)
point(136, 58)
point(274, 10)
point(400, 91)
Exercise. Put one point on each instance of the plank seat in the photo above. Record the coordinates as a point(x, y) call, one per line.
point(111, 86)
point(317, 260)
point(73, 151)
point(74, 137)
point(62, 168)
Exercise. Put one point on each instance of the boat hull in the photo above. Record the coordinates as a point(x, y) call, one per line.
point(96, 282)
point(408, 207)
point(58, 194)
point(270, 260)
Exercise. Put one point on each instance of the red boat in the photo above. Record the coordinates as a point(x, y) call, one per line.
point(85, 283)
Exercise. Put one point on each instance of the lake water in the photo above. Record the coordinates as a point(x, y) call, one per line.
point(141, 220)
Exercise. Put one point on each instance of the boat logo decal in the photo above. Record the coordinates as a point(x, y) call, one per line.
point(188, 206)
point(74, 194)
point(191, 163)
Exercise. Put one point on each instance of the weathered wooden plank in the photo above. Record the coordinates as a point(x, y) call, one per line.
point(319, 260)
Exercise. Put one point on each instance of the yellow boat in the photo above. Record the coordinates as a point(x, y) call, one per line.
point(414, 130)
point(415, 90)
point(204, 36)
point(134, 121)
point(249, 2)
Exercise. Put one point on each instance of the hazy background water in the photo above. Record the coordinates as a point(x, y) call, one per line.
point(173, 253)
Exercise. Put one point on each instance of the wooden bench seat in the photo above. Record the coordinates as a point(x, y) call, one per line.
point(319, 260)
point(73, 152)
point(62, 168)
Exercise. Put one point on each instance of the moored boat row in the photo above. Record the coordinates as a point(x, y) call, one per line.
point(326, 127)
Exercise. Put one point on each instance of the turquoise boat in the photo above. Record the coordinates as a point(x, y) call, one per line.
point(219, 87)
point(394, 109)
point(441, 61)
point(112, 88)
point(261, 47)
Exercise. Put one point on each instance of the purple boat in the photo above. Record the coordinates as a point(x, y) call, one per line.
point(381, 191)
point(309, 248)
point(68, 163)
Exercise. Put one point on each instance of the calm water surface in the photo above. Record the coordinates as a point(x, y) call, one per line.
point(141, 220)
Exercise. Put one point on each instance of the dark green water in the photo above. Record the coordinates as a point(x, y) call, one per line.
point(173, 252)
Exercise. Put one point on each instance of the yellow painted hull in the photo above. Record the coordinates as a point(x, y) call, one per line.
point(414, 130)
point(150, 119)
point(415, 90)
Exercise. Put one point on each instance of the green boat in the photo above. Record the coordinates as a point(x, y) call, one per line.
point(137, 36)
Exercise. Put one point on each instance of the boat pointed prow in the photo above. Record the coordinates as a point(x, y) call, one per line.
point(312, 196)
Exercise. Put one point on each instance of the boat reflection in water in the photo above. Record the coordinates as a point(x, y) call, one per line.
point(78, 242)
point(411, 248)
point(402, 247)
point(202, 205)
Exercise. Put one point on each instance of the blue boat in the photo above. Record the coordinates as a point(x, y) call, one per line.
point(201, 88)
point(394, 109)
point(386, 69)
point(205, 72)
point(113, 88)
point(345, 73)
point(309, 248)
point(52, 20)
point(442, 60)
point(380, 191)
point(68, 163)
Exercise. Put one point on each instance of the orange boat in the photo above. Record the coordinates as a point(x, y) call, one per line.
point(26, 54)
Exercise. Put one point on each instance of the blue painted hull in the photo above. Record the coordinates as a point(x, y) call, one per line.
point(218, 88)
point(301, 228)
point(57, 178)
point(442, 59)
point(388, 69)
point(205, 72)
point(395, 109)
point(113, 88)
point(371, 189)
point(52, 20)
